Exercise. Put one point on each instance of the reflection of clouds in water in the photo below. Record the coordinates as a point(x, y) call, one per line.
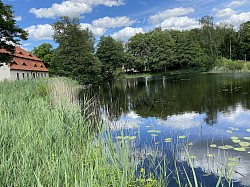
point(239, 117)
point(214, 165)
point(184, 121)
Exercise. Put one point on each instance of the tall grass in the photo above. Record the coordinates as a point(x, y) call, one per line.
point(45, 140)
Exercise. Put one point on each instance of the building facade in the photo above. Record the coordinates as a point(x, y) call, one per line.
point(23, 65)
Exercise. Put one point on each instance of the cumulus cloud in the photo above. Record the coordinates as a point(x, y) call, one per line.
point(72, 8)
point(40, 32)
point(109, 22)
point(179, 23)
point(237, 3)
point(233, 18)
point(98, 31)
point(227, 12)
point(126, 33)
point(175, 12)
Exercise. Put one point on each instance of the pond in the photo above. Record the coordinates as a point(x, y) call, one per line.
point(208, 114)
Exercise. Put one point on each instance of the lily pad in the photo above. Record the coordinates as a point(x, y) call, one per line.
point(244, 144)
point(232, 159)
point(247, 138)
point(210, 155)
point(213, 145)
point(150, 131)
point(241, 149)
point(229, 131)
point(147, 126)
point(223, 147)
point(157, 131)
point(234, 137)
point(190, 144)
point(182, 137)
point(233, 128)
point(248, 130)
point(168, 140)
point(118, 137)
point(153, 135)
point(236, 141)
point(192, 157)
point(229, 146)
point(132, 137)
point(156, 143)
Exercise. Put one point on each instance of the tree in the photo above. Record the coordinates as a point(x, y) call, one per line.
point(10, 34)
point(74, 56)
point(138, 46)
point(44, 52)
point(161, 50)
point(244, 37)
point(111, 55)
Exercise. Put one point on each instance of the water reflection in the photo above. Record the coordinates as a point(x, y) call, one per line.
point(203, 108)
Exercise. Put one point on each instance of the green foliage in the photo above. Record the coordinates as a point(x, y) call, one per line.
point(229, 64)
point(44, 52)
point(244, 37)
point(74, 56)
point(9, 31)
point(111, 55)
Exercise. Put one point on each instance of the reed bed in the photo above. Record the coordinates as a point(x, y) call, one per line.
point(45, 140)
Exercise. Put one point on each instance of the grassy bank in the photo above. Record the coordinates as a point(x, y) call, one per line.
point(224, 65)
point(45, 141)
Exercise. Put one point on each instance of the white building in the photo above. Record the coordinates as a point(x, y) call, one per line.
point(22, 66)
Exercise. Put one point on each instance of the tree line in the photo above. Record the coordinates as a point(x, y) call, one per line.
point(155, 51)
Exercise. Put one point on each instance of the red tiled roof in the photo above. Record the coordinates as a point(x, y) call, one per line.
point(23, 60)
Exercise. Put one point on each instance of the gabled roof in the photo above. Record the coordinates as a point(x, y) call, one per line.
point(23, 60)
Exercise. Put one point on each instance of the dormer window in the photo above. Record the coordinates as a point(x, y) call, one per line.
point(35, 65)
point(41, 66)
point(23, 64)
point(20, 52)
point(30, 55)
point(14, 62)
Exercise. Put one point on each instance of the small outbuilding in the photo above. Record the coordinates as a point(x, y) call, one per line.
point(23, 65)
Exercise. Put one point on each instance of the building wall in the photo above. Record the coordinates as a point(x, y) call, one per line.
point(4, 72)
point(20, 75)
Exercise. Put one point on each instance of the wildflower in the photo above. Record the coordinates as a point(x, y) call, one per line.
point(142, 170)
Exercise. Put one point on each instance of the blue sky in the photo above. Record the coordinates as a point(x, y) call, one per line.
point(123, 18)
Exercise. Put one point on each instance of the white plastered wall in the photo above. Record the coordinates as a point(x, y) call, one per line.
point(4, 72)
point(20, 75)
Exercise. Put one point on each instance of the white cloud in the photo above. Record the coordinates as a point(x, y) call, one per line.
point(72, 8)
point(18, 18)
point(126, 33)
point(237, 19)
point(227, 12)
point(67, 8)
point(98, 31)
point(161, 16)
point(108, 22)
point(179, 23)
point(237, 3)
point(40, 32)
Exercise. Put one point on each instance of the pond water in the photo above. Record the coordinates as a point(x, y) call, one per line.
point(209, 113)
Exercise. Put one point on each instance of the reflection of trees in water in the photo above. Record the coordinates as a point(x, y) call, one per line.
point(159, 97)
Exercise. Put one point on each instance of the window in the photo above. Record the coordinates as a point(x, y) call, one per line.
point(17, 76)
point(34, 76)
point(23, 64)
point(41, 66)
point(30, 55)
point(35, 65)
point(23, 76)
point(20, 53)
point(28, 76)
